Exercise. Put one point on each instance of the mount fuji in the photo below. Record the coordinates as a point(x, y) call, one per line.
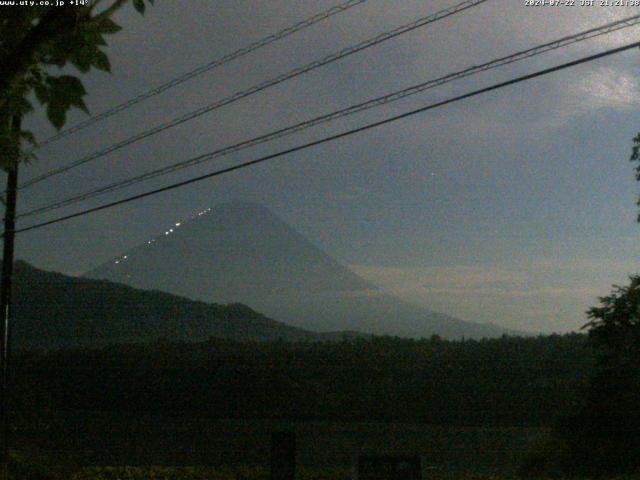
point(240, 252)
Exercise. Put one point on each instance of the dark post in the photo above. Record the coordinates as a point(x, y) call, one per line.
point(283, 456)
point(5, 301)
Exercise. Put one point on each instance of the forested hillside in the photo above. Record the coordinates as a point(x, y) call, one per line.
point(507, 381)
point(54, 311)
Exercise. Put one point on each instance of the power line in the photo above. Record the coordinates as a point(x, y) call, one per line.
point(205, 68)
point(261, 86)
point(515, 57)
point(347, 133)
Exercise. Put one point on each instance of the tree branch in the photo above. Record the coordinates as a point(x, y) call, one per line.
point(115, 6)
point(56, 23)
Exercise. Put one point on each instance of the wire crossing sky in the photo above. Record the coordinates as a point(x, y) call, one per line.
point(516, 208)
point(333, 137)
point(515, 57)
point(401, 30)
point(269, 39)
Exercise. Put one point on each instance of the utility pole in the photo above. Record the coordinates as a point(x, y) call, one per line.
point(5, 298)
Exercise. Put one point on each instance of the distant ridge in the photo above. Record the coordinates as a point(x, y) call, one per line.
point(242, 252)
point(54, 311)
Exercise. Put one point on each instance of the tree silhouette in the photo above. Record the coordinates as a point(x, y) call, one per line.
point(603, 437)
point(36, 39)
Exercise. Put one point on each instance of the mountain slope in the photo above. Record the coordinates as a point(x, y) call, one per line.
point(242, 252)
point(54, 310)
point(238, 250)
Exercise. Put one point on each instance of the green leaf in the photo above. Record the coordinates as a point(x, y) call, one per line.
point(79, 103)
point(42, 93)
point(139, 6)
point(25, 107)
point(65, 92)
point(108, 26)
point(101, 61)
point(67, 87)
point(57, 59)
point(83, 57)
point(92, 36)
point(29, 137)
point(57, 114)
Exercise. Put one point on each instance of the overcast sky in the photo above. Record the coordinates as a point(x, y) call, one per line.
point(516, 207)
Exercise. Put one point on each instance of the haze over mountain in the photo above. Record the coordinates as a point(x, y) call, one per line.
point(54, 310)
point(242, 252)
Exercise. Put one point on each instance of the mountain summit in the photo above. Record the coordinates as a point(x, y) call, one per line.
point(242, 252)
point(237, 250)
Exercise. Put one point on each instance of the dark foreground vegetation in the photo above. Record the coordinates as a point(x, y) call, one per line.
point(508, 381)
point(602, 436)
point(581, 393)
point(467, 406)
point(104, 365)
point(167, 403)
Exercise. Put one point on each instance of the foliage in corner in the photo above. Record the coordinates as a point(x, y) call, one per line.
point(37, 44)
point(603, 435)
point(635, 157)
point(614, 327)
